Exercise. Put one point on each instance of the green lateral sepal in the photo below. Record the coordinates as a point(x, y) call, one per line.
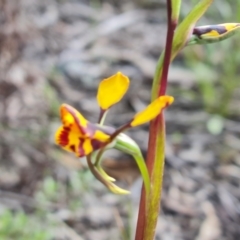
point(127, 145)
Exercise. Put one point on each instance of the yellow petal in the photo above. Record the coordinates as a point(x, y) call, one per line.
point(74, 135)
point(101, 136)
point(70, 116)
point(151, 111)
point(111, 90)
point(72, 140)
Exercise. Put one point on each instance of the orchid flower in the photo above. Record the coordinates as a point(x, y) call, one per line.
point(84, 138)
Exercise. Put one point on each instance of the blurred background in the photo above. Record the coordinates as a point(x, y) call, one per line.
point(55, 51)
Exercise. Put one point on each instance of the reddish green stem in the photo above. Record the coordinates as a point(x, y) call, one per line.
point(146, 224)
point(172, 23)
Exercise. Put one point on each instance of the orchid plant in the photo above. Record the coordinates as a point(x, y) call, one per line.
point(91, 140)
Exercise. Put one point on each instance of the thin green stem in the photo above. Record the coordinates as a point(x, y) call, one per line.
point(102, 116)
point(95, 172)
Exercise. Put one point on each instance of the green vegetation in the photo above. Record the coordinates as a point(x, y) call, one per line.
point(22, 227)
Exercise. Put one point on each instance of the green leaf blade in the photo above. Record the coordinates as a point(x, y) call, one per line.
point(176, 5)
point(184, 30)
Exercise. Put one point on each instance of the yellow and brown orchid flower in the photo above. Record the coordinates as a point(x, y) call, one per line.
point(83, 138)
point(213, 33)
point(78, 135)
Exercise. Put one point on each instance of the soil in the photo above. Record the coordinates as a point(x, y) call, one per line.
point(58, 51)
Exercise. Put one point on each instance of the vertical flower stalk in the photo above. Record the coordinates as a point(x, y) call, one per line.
point(175, 41)
point(148, 212)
